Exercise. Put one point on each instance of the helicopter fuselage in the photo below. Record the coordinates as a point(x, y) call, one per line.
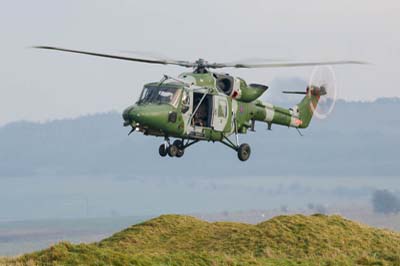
point(205, 106)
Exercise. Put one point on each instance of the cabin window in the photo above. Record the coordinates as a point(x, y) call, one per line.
point(185, 102)
point(222, 108)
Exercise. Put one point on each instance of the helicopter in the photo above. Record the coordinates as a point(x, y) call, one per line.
point(205, 105)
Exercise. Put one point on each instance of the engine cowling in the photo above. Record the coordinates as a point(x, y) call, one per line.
point(238, 89)
point(247, 93)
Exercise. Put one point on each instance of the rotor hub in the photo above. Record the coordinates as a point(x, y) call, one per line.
point(200, 66)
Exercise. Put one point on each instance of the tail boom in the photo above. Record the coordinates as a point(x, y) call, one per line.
point(299, 116)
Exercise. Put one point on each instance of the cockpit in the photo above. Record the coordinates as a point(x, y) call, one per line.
point(160, 95)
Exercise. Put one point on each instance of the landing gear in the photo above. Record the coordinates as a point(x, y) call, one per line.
point(176, 149)
point(244, 152)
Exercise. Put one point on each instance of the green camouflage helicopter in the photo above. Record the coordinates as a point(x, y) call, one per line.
point(203, 105)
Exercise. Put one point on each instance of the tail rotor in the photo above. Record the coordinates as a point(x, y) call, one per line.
point(323, 83)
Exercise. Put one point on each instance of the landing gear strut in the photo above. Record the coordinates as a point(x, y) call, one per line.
point(243, 150)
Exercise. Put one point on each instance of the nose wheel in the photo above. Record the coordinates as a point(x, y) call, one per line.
point(180, 148)
point(163, 150)
point(176, 149)
point(172, 150)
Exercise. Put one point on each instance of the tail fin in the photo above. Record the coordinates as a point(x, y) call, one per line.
point(299, 116)
point(308, 105)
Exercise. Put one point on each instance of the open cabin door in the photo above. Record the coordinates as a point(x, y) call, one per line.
point(199, 114)
point(220, 113)
point(205, 111)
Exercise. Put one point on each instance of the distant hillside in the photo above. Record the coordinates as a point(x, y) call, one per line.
point(358, 139)
point(184, 240)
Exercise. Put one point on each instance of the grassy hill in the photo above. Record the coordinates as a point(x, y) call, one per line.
point(184, 240)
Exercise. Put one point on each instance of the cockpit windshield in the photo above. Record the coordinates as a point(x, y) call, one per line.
point(160, 95)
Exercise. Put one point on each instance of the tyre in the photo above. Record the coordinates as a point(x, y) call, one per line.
point(244, 152)
point(172, 150)
point(162, 150)
point(178, 143)
point(180, 153)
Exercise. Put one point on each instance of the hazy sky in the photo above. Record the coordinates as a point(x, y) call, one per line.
point(41, 85)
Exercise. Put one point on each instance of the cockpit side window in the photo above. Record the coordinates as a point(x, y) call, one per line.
point(143, 94)
point(160, 95)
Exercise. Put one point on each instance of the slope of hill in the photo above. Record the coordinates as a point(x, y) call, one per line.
point(184, 240)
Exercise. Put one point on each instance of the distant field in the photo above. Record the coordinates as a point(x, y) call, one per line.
point(26, 236)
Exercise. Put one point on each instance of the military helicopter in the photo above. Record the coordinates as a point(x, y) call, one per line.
point(203, 105)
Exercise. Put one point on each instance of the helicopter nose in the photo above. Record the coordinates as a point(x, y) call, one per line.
point(127, 116)
point(145, 117)
point(150, 116)
point(139, 115)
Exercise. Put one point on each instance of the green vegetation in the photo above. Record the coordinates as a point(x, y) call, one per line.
point(184, 240)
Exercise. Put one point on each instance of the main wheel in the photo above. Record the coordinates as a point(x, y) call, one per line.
point(162, 150)
point(172, 150)
point(244, 152)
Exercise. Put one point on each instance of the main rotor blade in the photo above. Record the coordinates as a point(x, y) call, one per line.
point(294, 92)
point(201, 63)
point(294, 64)
point(141, 60)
